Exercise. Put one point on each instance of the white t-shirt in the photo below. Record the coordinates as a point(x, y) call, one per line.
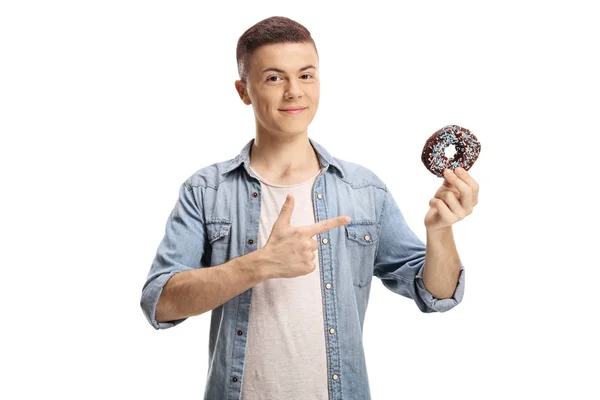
point(286, 354)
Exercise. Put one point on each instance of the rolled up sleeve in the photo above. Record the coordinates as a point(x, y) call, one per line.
point(436, 304)
point(181, 249)
point(400, 258)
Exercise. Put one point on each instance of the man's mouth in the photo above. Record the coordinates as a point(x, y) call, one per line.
point(294, 110)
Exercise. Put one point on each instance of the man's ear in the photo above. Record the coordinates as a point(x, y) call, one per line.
point(240, 87)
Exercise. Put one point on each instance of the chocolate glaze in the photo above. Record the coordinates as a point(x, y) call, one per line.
point(466, 144)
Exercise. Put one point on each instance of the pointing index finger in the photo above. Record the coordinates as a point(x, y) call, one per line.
point(327, 225)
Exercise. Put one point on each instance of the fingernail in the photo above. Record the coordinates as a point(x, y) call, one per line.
point(460, 170)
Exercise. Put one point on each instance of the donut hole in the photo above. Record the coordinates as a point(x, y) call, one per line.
point(450, 151)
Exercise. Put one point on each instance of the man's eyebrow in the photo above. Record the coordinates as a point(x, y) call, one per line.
point(282, 71)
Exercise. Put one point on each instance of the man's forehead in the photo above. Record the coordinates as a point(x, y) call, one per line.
point(285, 57)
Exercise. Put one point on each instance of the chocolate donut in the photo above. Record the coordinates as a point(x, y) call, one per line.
point(466, 145)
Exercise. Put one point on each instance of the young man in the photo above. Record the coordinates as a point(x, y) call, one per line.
point(281, 242)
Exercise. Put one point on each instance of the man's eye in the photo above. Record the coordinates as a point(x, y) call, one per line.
point(275, 77)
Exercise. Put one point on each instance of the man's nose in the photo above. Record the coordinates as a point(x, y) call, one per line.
point(293, 90)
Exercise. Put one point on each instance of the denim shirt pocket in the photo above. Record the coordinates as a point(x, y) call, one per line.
point(361, 236)
point(218, 229)
point(218, 233)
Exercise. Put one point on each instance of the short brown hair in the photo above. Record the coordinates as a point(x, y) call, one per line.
point(268, 31)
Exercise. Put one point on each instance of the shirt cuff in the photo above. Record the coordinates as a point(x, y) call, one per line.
point(441, 305)
point(150, 296)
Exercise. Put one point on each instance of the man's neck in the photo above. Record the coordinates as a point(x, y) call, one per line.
point(287, 161)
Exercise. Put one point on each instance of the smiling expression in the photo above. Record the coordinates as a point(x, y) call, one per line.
point(283, 87)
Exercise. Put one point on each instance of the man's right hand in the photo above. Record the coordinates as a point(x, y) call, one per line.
point(290, 250)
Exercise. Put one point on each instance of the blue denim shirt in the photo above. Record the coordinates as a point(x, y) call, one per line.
point(217, 214)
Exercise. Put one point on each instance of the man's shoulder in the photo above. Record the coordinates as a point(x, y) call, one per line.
point(358, 175)
point(209, 175)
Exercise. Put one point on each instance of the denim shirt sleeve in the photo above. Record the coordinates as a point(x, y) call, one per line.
point(181, 249)
point(400, 259)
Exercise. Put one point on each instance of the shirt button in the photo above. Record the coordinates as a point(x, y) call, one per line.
point(240, 332)
point(250, 241)
point(235, 379)
point(325, 240)
point(320, 196)
point(254, 194)
point(367, 238)
point(335, 377)
point(332, 330)
point(328, 286)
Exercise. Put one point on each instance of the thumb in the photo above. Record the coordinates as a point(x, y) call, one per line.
point(285, 215)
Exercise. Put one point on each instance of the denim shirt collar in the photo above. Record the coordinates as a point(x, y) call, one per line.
point(325, 159)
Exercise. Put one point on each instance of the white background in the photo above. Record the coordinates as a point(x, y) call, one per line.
point(107, 107)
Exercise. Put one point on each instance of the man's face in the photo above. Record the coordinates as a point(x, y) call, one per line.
point(281, 76)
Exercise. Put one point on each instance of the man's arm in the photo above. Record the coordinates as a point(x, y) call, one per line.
point(442, 263)
point(181, 283)
point(196, 291)
point(182, 250)
point(452, 202)
point(400, 261)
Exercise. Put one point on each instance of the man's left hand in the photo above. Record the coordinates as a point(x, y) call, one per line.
point(453, 201)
